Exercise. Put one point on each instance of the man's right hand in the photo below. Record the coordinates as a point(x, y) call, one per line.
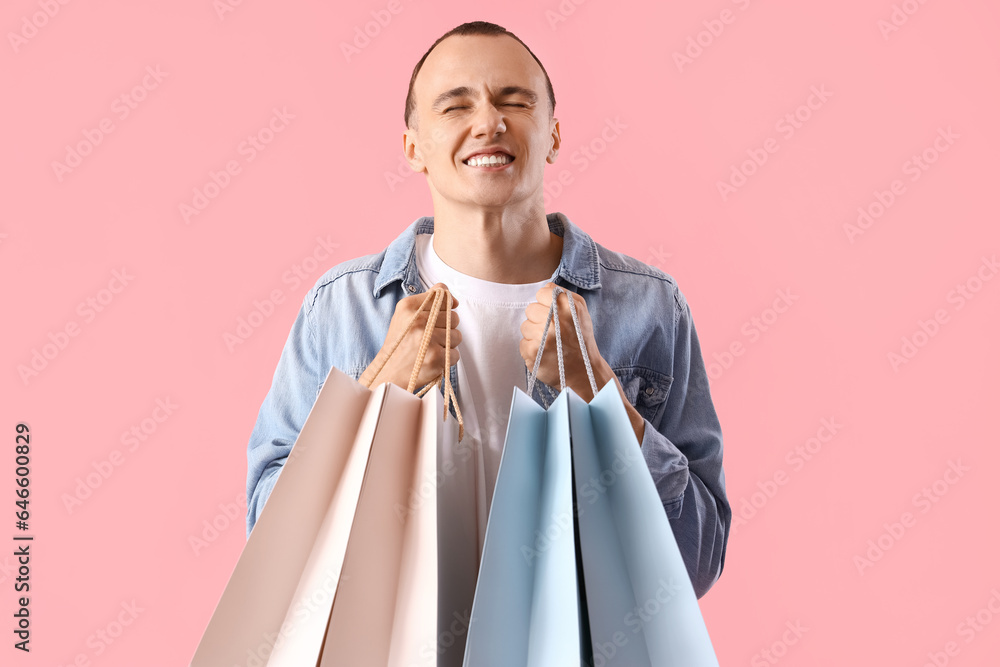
point(400, 365)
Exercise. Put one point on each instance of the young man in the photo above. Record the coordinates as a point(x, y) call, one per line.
point(481, 127)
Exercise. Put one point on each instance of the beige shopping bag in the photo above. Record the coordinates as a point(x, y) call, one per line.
point(342, 566)
point(247, 622)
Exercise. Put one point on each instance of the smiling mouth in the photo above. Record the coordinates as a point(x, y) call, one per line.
point(494, 162)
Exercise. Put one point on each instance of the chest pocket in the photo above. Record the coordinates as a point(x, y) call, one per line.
point(645, 389)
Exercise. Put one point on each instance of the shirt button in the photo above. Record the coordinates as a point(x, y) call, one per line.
point(411, 288)
point(649, 391)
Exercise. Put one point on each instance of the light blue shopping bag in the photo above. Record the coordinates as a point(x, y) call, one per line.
point(642, 608)
point(608, 586)
point(526, 608)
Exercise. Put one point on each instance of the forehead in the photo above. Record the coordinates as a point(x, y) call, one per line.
point(471, 60)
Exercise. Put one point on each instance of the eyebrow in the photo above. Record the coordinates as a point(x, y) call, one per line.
point(466, 91)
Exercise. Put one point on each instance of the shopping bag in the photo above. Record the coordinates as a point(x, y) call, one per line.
point(386, 598)
point(637, 606)
point(526, 605)
point(641, 605)
point(390, 598)
point(461, 528)
point(342, 567)
point(247, 622)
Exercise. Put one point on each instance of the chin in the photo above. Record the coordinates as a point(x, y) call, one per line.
point(494, 198)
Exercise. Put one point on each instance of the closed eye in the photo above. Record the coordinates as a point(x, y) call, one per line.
point(509, 104)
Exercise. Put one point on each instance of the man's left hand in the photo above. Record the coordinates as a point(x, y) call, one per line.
point(576, 371)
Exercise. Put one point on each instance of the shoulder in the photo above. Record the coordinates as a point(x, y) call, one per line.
point(355, 275)
point(359, 277)
point(636, 277)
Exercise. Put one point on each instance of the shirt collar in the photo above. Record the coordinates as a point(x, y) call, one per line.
point(579, 264)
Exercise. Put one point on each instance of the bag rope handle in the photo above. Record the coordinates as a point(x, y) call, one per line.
point(553, 316)
point(439, 294)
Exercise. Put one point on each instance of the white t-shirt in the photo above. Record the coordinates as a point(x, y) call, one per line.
point(490, 365)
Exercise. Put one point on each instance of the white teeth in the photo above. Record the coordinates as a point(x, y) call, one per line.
point(488, 160)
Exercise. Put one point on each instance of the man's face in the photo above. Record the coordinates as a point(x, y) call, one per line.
point(504, 107)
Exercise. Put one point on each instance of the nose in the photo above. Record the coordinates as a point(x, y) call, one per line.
point(487, 121)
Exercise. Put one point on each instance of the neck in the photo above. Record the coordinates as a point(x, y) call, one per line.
point(502, 246)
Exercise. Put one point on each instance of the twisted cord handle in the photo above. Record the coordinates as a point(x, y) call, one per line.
point(439, 294)
point(553, 316)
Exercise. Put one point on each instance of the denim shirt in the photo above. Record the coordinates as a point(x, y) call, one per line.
point(643, 329)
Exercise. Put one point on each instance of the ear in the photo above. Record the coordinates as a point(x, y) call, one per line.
point(554, 151)
point(411, 152)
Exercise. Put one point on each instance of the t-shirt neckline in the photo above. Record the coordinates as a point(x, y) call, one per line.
point(431, 267)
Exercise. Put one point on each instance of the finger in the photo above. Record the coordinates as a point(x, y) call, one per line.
point(434, 359)
point(454, 301)
point(438, 338)
point(566, 313)
point(528, 329)
point(523, 348)
point(419, 320)
point(562, 305)
point(550, 338)
point(422, 302)
point(427, 300)
point(544, 294)
point(529, 352)
point(536, 312)
point(442, 320)
point(438, 362)
point(455, 338)
point(533, 330)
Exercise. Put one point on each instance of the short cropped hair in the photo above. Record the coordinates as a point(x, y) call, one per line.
point(473, 28)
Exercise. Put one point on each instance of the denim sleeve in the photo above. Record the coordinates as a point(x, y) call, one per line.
point(685, 459)
point(284, 410)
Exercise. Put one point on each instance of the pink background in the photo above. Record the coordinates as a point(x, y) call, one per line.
point(652, 193)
